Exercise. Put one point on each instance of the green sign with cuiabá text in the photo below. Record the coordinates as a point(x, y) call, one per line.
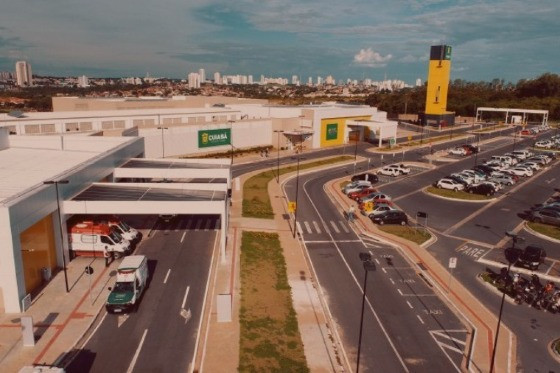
point(208, 138)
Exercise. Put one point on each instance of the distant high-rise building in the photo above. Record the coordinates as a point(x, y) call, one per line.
point(262, 79)
point(194, 80)
point(5, 76)
point(83, 81)
point(319, 80)
point(202, 75)
point(330, 80)
point(24, 77)
point(217, 79)
point(250, 80)
point(418, 82)
point(243, 79)
point(295, 79)
point(310, 81)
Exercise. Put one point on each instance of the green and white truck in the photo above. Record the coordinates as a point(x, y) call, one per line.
point(132, 277)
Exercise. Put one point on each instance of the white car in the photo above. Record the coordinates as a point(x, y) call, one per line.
point(476, 177)
point(497, 186)
point(379, 209)
point(458, 151)
point(542, 157)
point(502, 179)
point(547, 144)
point(535, 166)
point(496, 166)
point(403, 169)
point(466, 178)
point(520, 171)
point(356, 186)
point(389, 171)
point(450, 184)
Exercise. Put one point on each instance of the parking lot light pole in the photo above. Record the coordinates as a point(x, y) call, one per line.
point(297, 192)
point(56, 182)
point(162, 142)
point(278, 156)
point(369, 266)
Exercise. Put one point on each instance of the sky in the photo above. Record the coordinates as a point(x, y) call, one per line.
point(503, 39)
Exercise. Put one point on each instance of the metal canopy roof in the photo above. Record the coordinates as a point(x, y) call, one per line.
point(170, 164)
point(125, 193)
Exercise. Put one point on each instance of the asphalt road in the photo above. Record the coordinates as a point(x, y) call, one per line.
point(406, 326)
point(157, 337)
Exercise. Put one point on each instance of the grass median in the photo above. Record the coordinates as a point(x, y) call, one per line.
point(548, 230)
point(418, 236)
point(458, 194)
point(256, 201)
point(269, 335)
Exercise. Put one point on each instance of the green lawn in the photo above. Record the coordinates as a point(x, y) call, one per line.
point(269, 336)
point(256, 201)
point(418, 236)
point(459, 194)
point(547, 230)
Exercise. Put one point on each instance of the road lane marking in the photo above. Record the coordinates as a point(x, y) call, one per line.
point(445, 335)
point(400, 292)
point(419, 318)
point(377, 261)
point(307, 227)
point(185, 297)
point(392, 282)
point(383, 269)
point(137, 353)
point(183, 237)
point(167, 275)
point(343, 226)
point(316, 227)
point(334, 227)
point(410, 305)
point(95, 330)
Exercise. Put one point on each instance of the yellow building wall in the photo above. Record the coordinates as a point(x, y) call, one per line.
point(438, 84)
point(328, 138)
point(37, 251)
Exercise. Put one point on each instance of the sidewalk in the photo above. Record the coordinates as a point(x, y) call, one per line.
point(469, 307)
point(60, 318)
point(220, 352)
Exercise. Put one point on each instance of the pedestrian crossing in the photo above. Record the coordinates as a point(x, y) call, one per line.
point(331, 226)
point(191, 223)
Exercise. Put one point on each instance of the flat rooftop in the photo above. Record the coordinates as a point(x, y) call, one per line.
point(124, 193)
point(170, 164)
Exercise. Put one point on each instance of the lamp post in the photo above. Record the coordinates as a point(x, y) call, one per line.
point(162, 142)
point(511, 259)
point(514, 137)
point(278, 156)
point(477, 148)
point(56, 182)
point(368, 267)
point(297, 192)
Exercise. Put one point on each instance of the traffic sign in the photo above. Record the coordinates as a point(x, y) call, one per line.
point(368, 206)
point(453, 262)
point(392, 141)
point(89, 270)
point(292, 206)
point(422, 214)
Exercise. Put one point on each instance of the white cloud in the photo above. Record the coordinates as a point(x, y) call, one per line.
point(369, 57)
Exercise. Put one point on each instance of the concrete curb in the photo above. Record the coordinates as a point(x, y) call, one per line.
point(540, 235)
point(555, 355)
point(425, 191)
point(493, 289)
point(520, 270)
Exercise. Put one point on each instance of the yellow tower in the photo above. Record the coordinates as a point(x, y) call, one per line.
point(438, 83)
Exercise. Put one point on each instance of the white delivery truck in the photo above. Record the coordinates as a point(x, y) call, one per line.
point(89, 239)
point(132, 277)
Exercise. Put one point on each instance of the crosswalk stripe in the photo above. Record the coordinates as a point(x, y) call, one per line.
point(316, 227)
point(307, 227)
point(198, 224)
point(443, 335)
point(208, 223)
point(299, 227)
point(343, 226)
point(334, 227)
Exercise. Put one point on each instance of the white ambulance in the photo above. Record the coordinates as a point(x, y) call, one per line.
point(125, 230)
point(89, 239)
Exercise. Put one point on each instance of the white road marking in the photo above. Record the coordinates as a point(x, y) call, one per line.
point(183, 236)
point(334, 227)
point(198, 224)
point(343, 226)
point(410, 305)
point(400, 292)
point(383, 269)
point(445, 335)
point(237, 184)
point(95, 330)
point(121, 319)
point(377, 261)
point(392, 282)
point(167, 276)
point(307, 227)
point(185, 297)
point(137, 353)
point(316, 227)
point(298, 226)
point(419, 318)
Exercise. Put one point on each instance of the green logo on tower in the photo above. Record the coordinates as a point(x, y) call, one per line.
point(332, 131)
point(208, 138)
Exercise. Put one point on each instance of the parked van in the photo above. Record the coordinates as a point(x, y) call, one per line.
point(522, 154)
point(503, 159)
point(89, 239)
point(132, 278)
point(125, 230)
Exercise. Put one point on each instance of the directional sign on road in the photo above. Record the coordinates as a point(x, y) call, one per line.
point(453, 262)
point(292, 206)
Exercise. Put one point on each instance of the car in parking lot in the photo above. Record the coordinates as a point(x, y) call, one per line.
point(546, 144)
point(485, 170)
point(547, 215)
point(460, 179)
point(389, 171)
point(373, 197)
point(356, 186)
point(503, 179)
point(542, 161)
point(390, 217)
point(403, 169)
point(366, 176)
point(484, 189)
point(459, 150)
point(378, 209)
point(472, 148)
point(363, 206)
point(450, 184)
point(535, 166)
point(476, 175)
point(361, 193)
point(167, 217)
point(531, 257)
point(520, 171)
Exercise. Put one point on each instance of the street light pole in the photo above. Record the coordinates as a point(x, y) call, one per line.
point(162, 142)
point(55, 182)
point(297, 192)
point(278, 156)
point(368, 266)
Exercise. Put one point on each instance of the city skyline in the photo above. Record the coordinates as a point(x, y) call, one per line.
point(508, 40)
